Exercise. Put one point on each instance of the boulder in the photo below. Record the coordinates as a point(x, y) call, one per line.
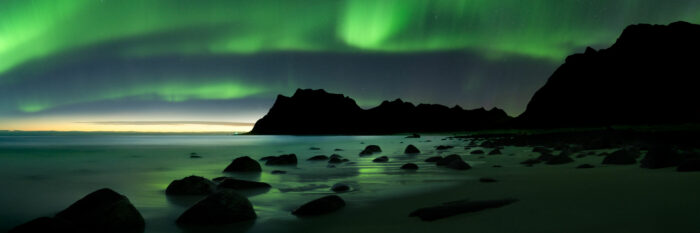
point(340, 187)
point(102, 211)
point(495, 152)
point(689, 165)
point(336, 156)
point(318, 158)
point(487, 180)
point(448, 159)
point(243, 164)
point(223, 207)
point(320, 206)
point(477, 152)
point(544, 157)
point(288, 159)
point(459, 165)
point(458, 207)
point(381, 159)
point(559, 159)
point(530, 162)
point(411, 149)
point(433, 159)
point(661, 157)
point(621, 157)
point(371, 149)
point(409, 166)
point(236, 184)
point(443, 147)
point(335, 160)
point(191, 185)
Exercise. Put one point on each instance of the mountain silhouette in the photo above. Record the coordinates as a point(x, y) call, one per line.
point(647, 77)
point(318, 112)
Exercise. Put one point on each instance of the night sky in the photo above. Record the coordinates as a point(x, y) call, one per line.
point(206, 65)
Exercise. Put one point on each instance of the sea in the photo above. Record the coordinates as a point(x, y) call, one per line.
point(41, 175)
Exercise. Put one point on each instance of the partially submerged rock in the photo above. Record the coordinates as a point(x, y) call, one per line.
point(288, 159)
point(340, 187)
point(487, 180)
point(621, 157)
point(191, 185)
point(448, 159)
point(459, 165)
point(371, 149)
point(559, 159)
point(382, 159)
point(320, 206)
point(443, 147)
point(236, 184)
point(318, 158)
point(409, 166)
point(477, 152)
point(457, 207)
point(101, 211)
point(223, 207)
point(411, 149)
point(243, 164)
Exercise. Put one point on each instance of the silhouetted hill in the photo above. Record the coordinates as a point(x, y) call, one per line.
point(648, 76)
point(318, 112)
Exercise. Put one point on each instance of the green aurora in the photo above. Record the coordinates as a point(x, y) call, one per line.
point(41, 39)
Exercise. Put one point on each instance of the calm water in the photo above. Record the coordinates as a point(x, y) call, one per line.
point(41, 175)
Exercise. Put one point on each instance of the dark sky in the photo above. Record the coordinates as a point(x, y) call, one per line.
point(206, 65)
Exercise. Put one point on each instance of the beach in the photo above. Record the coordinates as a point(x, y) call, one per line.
point(45, 174)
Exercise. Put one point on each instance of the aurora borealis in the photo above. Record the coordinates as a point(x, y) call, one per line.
point(73, 65)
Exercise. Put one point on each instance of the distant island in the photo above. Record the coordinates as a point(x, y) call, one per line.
point(319, 112)
point(647, 77)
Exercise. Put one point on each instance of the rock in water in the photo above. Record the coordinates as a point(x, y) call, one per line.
point(621, 157)
point(335, 160)
point(409, 166)
point(457, 207)
point(371, 149)
point(243, 164)
point(495, 152)
point(288, 159)
point(477, 152)
point(448, 159)
point(236, 184)
point(191, 185)
point(318, 158)
point(382, 159)
point(443, 147)
point(102, 211)
point(559, 159)
point(433, 159)
point(222, 207)
point(340, 187)
point(411, 149)
point(459, 165)
point(320, 206)
point(661, 157)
